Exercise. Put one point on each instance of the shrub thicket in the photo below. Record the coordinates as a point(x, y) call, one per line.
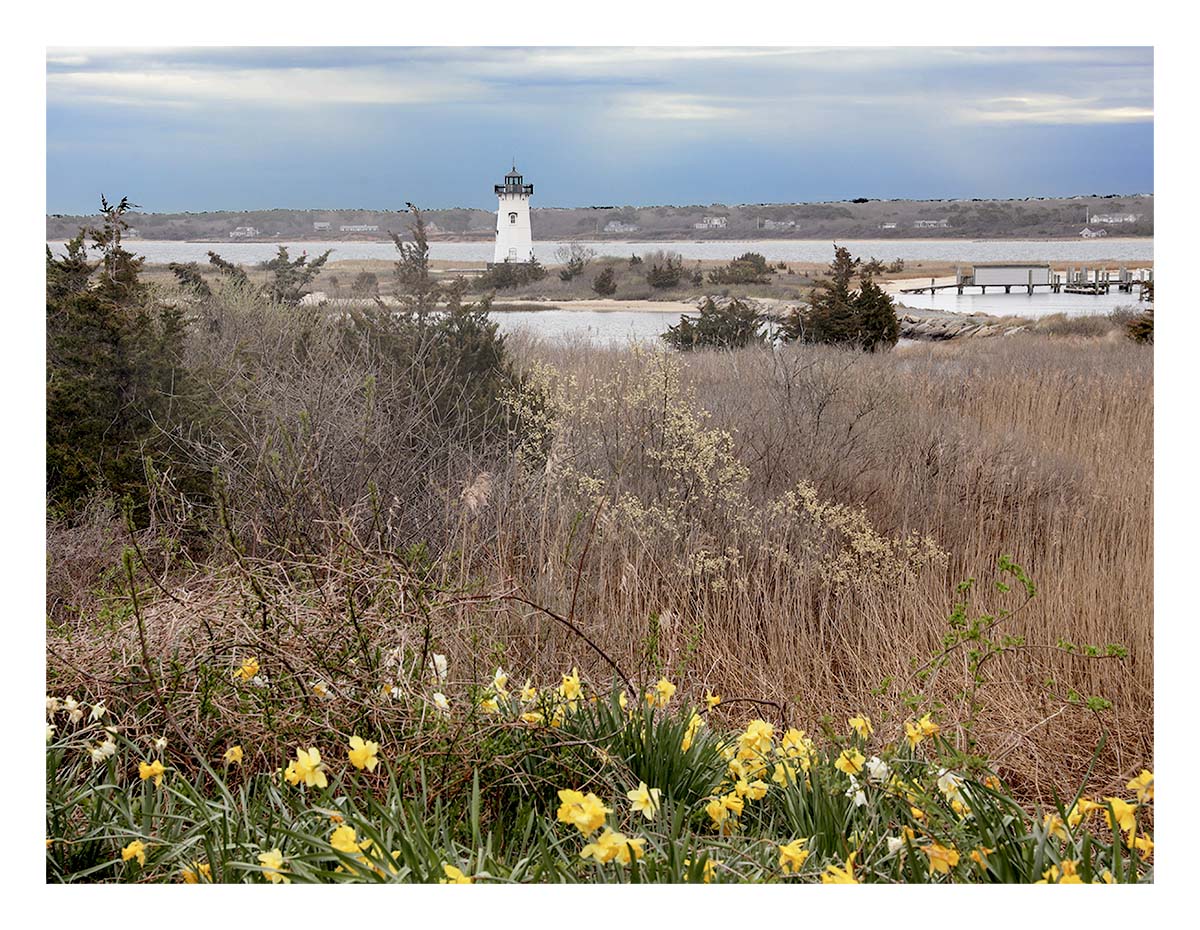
point(750, 268)
point(506, 274)
point(666, 271)
point(733, 325)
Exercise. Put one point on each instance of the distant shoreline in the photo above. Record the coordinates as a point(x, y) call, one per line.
point(285, 240)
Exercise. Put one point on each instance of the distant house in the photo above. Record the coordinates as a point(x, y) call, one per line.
point(932, 224)
point(1092, 233)
point(244, 232)
point(887, 225)
point(1111, 218)
point(1009, 274)
point(132, 233)
point(778, 224)
point(321, 227)
point(359, 228)
point(712, 222)
point(616, 226)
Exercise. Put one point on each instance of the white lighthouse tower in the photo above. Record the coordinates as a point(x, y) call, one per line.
point(514, 235)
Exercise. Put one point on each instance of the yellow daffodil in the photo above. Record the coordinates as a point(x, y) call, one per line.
point(979, 856)
point(454, 876)
point(837, 875)
point(135, 850)
point(528, 693)
point(363, 753)
point(941, 858)
point(784, 774)
point(921, 729)
point(585, 812)
point(861, 726)
point(792, 856)
point(645, 800)
point(570, 688)
point(711, 700)
point(272, 863)
point(248, 669)
point(1080, 810)
point(757, 736)
point(200, 871)
point(1062, 874)
point(345, 839)
point(533, 718)
point(489, 705)
point(1145, 846)
point(850, 761)
point(151, 770)
point(233, 755)
point(693, 727)
point(661, 694)
point(1124, 812)
point(307, 767)
point(1143, 784)
point(716, 810)
point(754, 790)
point(612, 845)
point(1055, 827)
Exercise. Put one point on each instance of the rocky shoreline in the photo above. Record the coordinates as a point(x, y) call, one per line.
point(919, 324)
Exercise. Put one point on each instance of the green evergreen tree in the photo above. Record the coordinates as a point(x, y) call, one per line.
point(838, 314)
point(605, 283)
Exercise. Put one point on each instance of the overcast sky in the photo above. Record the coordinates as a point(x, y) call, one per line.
point(249, 128)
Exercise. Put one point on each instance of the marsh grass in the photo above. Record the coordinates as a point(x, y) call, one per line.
point(787, 526)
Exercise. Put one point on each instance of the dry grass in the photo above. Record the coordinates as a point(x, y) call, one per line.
point(648, 507)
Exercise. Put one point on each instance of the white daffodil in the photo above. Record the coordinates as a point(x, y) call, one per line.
point(895, 844)
point(877, 771)
point(855, 793)
point(98, 710)
point(500, 681)
point(108, 748)
point(50, 728)
point(441, 702)
point(76, 715)
point(52, 705)
point(949, 784)
point(438, 668)
point(160, 744)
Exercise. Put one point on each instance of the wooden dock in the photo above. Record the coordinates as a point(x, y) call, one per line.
point(1072, 281)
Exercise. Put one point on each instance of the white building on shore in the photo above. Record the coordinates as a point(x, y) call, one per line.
point(514, 234)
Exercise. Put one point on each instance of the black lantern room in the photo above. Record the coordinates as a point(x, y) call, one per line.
point(513, 184)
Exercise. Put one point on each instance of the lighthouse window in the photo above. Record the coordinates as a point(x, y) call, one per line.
point(512, 218)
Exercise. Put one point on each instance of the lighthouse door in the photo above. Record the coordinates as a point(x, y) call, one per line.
point(512, 253)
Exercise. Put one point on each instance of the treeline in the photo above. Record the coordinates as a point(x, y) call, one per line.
point(863, 218)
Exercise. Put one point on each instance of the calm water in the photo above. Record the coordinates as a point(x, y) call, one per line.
point(605, 327)
point(797, 250)
point(1042, 303)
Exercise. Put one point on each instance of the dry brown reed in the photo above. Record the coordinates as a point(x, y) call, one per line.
point(784, 525)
